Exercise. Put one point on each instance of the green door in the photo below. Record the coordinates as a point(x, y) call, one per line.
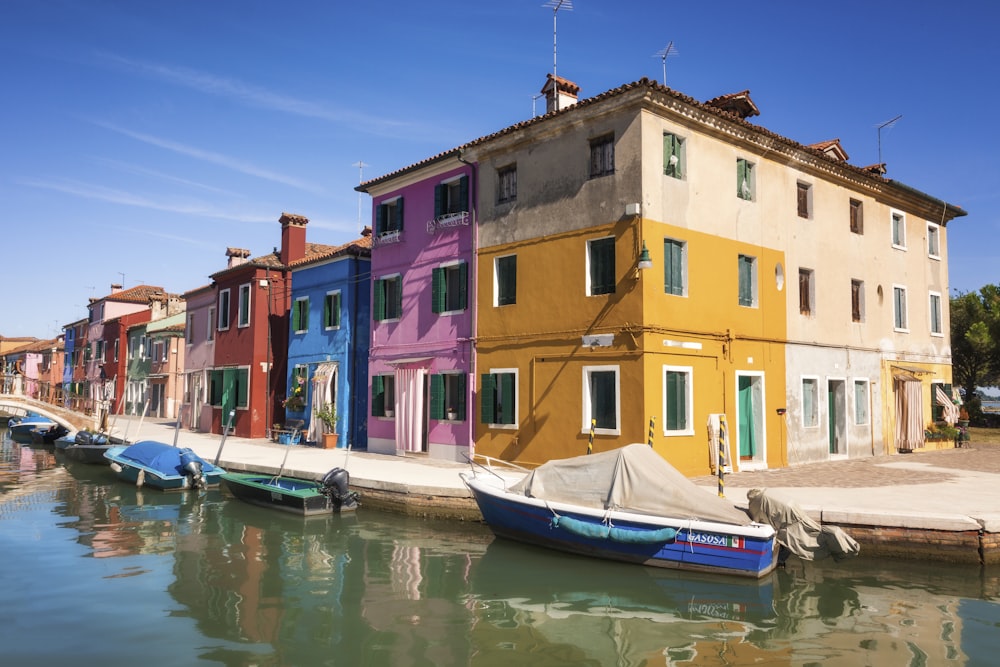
point(747, 428)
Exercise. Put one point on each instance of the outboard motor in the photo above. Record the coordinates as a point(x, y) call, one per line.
point(336, 485)
point(191, 464)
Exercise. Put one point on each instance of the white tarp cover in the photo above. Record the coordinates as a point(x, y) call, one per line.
point(797, 531)
point(634, 479)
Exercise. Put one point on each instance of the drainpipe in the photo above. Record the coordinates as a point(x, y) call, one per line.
point(352, 412)
point(474, 302)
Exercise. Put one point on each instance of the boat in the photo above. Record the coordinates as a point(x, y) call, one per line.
point(162, 466)
point(87, 446)
point(626, 505)
point(25, 428)
point(290, 494)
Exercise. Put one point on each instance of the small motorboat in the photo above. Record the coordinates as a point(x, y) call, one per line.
point(87, 446)
point(298, 496)
point(162, 466)
point(628, 505)
point(26, 428)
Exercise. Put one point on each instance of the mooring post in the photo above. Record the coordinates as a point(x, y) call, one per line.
point(590, 444)
point(722, 455)
point(652, 425)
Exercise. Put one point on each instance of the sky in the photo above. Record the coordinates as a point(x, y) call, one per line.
point(140, 139)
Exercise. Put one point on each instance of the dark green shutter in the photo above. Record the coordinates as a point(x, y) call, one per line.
point(463, 194)
point(602, 266)
point(336, 309)
point(378, 396)
point(673, 267)
point(463, 286)
point(242, 387)
point(378, 296)
point(437, 396)
point(746, 280)
point(215, 388)
point(399, 214)
point(379, 219)
point(439, 203)
point(602, 392)
point(487, 397)
point(437, 290)
point(507, 398)
point(507, 279)
point(676, 400)
point(460, 408)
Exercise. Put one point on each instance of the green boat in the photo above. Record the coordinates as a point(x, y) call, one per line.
point(298, 496)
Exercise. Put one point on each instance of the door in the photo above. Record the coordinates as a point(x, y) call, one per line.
point(836, 391)
point(750, 417)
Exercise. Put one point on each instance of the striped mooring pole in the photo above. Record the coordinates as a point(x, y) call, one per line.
point(652, 425)
point(722, 456)
point(590, 444)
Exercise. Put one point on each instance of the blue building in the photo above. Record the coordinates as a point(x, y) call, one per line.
point(328, 340)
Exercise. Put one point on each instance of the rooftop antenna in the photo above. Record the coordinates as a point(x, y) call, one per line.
point(123, 279)
point(886, 124)
point(361, 179)
point(663, 54)
point(556, 5)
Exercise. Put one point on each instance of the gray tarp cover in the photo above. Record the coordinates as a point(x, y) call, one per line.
point(634, 479)
point(796, 531)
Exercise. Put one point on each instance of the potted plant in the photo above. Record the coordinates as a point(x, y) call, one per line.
point(327, 413)
point(296, 400)
point(451, 413)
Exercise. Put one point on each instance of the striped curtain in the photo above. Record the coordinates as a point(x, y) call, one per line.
point(324, 382)
point(950, 409)
point(909, 413)
point(410, 409)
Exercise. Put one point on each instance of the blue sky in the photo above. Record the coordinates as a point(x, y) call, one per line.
point(140, 139)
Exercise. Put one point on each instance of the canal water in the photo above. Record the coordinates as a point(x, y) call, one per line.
point(97, 572)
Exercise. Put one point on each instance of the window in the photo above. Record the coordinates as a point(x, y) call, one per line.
point(448, 397)
point(857, 217)
point(857, 301)
point(810, 402)
point(449, 288)
point(937, 410)
point(190, 330)
point(602, 156)
point(331, 310)
point(243, 310)
point(804, 199)
point(300, 315)
point(388, 298)
point(860, 402)
point(383, 395)
point(499, 397)
point(747, 281)
point(101, 350)
point(673, 155)
point(505, 280)
point(115, 357)
point(229, 387)
point(678, 401)
point(899, 307)
point(507, 184)
point(674, 266)
point(744, 179)
point(807, 292)
point(159, 351)
point(389, 217)
point(210, 334)
point(451, 197)
point(601, 266)
point(933, 241)
point(600, 399)
point(898, 230)
point(935, 314)
point(223, 310)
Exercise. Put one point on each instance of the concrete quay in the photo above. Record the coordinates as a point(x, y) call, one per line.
point(939, 505)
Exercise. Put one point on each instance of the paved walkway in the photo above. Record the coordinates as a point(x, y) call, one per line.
point(953, 489)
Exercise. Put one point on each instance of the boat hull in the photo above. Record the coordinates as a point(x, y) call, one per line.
point(163, 477)
point(699, 546)
point(287, 494)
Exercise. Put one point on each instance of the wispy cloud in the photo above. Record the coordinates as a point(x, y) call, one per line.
point(113, 196)
point(136, 169)
point(214, 158)
point(260, 97)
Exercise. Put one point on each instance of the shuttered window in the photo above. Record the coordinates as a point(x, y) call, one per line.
point(498, 398)
point(449, 288)
point(506, 280)
point(673, 158)
point(331, 310)
point(451, 197)
point(601, 257)
point(674, 268)
point(747, 280)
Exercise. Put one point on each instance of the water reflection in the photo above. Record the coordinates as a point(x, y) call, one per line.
point(199, 577)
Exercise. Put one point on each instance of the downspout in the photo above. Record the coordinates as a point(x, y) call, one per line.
point(352, 412)
point(470, 411)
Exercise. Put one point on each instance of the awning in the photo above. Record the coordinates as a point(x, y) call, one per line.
point(908, 373)
point(407, 360)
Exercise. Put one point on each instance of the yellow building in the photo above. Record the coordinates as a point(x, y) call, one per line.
point(646, 261)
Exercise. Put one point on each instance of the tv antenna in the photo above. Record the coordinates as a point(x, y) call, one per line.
point(887, 124)
point(663, 54)
point(556, 5)
point(361, 179)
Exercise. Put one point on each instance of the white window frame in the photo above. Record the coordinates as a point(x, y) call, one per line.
point(895, 215)
point(858, 420)
point(903, 318)
point(934, 247)
point(935, 311)
point(586, 398)
point(243, 298)
point(688, 400)
point(223, 313)
point(813, 420)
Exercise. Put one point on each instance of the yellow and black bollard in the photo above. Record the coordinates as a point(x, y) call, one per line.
point(722, 456)
point(590, 444)
point(652, 425)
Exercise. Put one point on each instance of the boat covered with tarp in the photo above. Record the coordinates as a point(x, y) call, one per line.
point(162, 466)
point(629, 505)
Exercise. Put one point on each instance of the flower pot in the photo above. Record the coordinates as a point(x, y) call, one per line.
point(390, 413)
point(452, 416)
point(330, 440)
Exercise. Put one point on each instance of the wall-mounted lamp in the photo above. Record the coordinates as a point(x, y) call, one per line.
point(645, 261)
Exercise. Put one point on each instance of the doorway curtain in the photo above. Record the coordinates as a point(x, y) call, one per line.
point(909, 412)
point(410, 409)
point(324, 382)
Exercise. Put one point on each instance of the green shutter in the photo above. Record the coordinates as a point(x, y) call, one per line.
point(399, 214)
point(437, 396)
point(463, 285)
point(379, 219)
point(378, 396)
point(242, 387)
point(602, 393)
point(672, 149)
point(460, 408)
point(746, 281)
point(507, 279)
point(676, 400)
point(378, 297)
point(437, 290)
point(673, 267)
point(602, 266)
point(487, 397)
point(336, 310)
point(439, 191)
point(507, 398)
point(399, 297)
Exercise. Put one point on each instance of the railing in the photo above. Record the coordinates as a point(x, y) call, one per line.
point(42, 391)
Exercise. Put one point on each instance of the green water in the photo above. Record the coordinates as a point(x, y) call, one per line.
point(96, 572)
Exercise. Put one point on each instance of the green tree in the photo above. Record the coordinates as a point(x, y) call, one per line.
point(975, 340)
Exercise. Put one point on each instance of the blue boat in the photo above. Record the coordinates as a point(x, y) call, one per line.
point(162, 466)
point(34, 428)
point(626, 505)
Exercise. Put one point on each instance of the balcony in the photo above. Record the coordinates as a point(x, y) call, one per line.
point(447, 220)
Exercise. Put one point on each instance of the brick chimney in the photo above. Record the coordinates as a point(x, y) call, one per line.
point(115, 288)
point(236, 256)
point(293, 237)
point(559, 93)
